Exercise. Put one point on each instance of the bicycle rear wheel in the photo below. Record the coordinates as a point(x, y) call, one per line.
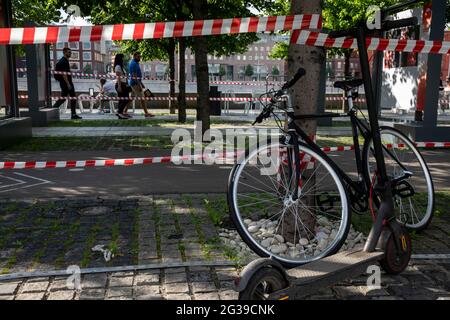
point(261, 198)
point(412, 190)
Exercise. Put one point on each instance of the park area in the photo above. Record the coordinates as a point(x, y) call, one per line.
point(233, 150)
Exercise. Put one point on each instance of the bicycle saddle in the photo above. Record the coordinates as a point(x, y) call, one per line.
point(348, 84)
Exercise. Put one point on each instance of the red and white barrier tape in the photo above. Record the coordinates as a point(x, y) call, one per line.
point(317, 39)
point(231, 99)
point(113, 76)
point(168, 159)
point(157, 30)
point(89, 98)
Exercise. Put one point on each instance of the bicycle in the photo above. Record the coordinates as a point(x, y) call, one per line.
point(301, 209)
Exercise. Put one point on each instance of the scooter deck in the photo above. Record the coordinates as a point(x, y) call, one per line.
point(312, 277)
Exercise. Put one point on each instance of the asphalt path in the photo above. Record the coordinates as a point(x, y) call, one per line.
point(166, 178)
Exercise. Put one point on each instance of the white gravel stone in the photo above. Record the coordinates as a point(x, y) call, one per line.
point(247, 221)
point(267, 242)
point(279, 238)
point(321, 235)
point(333, 234)
point(322, 244)
point(324, 222)
point(279, 248)
point(253, 228)
point(303, 241)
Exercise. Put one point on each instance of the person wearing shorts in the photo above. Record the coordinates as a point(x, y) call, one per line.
point(136, 84)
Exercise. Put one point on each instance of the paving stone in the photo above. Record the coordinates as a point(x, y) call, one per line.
point(31, 296)
point(34, 287)
point(149, 271)
point(147, 290)
point(58, 285)
point(202, 287)
point(150, 297)
point(146, 279)
point(92, 294)
point(228, 295)
point(120, 292)
point(40, 279)
point(207, 296)
point(123, 274)
point(227, 285)
point(200, 276)
point(181, 287)
point(226, 274)
point(349, 291)
point(174, 278)
point(8, 288)
point(408, 291)
point(121, 282)
point(61, 295)
point(178, 297)
point(95, 280)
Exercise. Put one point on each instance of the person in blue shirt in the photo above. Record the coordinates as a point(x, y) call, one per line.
point(135, 82)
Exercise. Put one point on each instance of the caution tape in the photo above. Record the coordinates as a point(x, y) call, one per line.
point(157, 30)
point(318, 39)
point(113, 77)
point(230, 99)
point(89, 98)
point(174, 159)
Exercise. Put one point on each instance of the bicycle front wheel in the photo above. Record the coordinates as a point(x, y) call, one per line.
point(292, 222)
point(412, 186)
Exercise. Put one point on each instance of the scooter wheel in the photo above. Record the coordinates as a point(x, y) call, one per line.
point(396, 259)
point(264, 282)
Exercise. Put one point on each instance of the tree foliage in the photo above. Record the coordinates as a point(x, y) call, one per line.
point(337, 15)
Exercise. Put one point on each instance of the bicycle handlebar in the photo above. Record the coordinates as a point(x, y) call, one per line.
point(268, 109)
point(300, 73)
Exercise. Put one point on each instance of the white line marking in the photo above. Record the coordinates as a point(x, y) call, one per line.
point(42, 181)
point(11, 185)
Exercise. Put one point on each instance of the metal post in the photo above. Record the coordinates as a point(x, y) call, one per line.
point(322, 95)
point(9, 74)
point(438, 10)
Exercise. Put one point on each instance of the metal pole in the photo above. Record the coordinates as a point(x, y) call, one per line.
point(434, 65)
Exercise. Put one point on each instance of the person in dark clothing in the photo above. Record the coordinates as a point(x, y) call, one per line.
point(65, 82)
point(122, 88)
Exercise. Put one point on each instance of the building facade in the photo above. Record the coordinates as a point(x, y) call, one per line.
point(87, 57)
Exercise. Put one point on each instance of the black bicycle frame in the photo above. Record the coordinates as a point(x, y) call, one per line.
point(358, 127)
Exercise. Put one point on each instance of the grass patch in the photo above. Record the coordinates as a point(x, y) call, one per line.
point(442, 201)
point(135, 239)
point(217, 210)
point(140, 123)
point(156, 218)
point(90, 241)
point(91, 143)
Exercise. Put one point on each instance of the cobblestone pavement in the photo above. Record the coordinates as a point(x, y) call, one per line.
point(427, 280)
point(54, 234)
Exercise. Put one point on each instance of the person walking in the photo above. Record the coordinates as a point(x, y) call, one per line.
point(65, 82)
point(122, 88)
point(136, 84)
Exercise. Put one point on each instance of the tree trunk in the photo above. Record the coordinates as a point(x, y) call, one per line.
point(305, 94)
point(182, 81)
point(171, 51)
point(347, 74)
point(200, 11)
